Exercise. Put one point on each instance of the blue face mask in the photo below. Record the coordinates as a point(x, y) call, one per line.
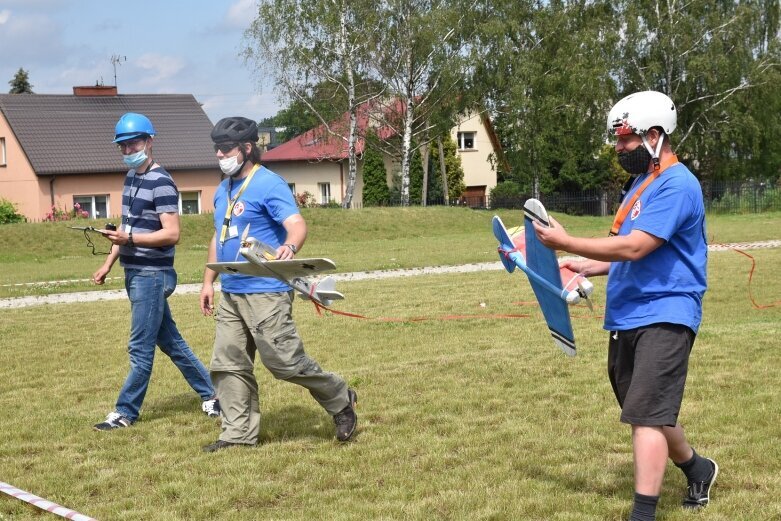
point(135, 160)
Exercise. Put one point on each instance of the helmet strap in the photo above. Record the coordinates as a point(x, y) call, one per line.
point(654, 153)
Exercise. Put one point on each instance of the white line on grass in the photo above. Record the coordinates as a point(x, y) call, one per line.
point(185, 289)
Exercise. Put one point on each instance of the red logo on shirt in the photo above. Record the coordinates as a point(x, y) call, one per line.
point(238, 209)
point(635, 211)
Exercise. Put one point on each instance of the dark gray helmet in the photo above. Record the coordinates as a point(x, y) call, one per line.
point(235, 129)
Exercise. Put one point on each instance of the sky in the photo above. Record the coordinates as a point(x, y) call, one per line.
point(165, 47)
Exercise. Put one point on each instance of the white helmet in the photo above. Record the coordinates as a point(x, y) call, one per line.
point(638, 112)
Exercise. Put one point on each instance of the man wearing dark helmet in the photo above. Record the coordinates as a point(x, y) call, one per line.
point(254, 314)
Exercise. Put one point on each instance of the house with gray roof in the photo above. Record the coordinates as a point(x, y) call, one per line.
point(57, 150)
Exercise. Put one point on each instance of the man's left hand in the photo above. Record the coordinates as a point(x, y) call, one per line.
point(555, 237)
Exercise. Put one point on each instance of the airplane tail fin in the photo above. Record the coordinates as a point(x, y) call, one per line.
point(323, 292)
point(508, 253)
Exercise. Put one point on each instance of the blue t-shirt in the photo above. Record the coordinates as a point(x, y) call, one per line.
point(668, 284)
point(144, 198)
point(265, 204)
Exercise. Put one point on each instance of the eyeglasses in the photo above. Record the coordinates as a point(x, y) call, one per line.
point(225, 147)
point(130, 144)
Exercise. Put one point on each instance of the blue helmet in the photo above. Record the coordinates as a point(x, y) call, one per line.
point(132, 125)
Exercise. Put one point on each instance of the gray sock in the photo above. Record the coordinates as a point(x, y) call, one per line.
point(644, 508)
point(697, 469)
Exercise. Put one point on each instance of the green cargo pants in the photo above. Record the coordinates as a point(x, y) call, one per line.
point(262, 323)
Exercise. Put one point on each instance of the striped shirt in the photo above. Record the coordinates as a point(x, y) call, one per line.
point(144, 198)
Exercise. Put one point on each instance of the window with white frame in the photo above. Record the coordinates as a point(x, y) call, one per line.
point(96, 206)
point(292, 187)
point(2, 151)
point(325, 192)
point(189, 203)
point(466, 140)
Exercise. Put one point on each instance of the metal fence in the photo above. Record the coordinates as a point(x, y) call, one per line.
point(733, 197)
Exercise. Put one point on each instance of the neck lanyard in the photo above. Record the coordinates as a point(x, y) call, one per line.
point(626, 206)
point(132, 196)
point(226, 221)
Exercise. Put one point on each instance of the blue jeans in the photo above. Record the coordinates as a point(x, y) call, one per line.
point(152, 324)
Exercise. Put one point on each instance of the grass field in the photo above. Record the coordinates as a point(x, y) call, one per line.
point(360, 240)
point(478, 418)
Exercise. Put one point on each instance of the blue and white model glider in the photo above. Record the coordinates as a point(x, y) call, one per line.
point(542, 269)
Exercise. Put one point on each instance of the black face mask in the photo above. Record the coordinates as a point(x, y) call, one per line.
point(636, 161)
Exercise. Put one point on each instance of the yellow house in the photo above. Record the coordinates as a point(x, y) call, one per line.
point(57, 150)
point(317, 163)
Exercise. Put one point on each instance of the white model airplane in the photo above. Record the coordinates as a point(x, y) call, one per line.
point(260, 263)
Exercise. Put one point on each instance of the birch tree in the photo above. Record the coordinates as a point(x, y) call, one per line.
point(306, 43)
point(420, 57)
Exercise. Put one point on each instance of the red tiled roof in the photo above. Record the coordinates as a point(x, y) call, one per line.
point(318, 144)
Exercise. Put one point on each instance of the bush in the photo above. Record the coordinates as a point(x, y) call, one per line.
point(8, 213)
point(508, 194)
point(330, 204)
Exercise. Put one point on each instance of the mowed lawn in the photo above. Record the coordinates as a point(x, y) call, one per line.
point(479, 417)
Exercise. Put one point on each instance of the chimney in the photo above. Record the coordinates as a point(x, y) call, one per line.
point(95, 90)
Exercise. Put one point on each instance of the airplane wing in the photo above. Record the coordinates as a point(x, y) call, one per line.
point(546, 283)
point(287, 269)
point(542, 260)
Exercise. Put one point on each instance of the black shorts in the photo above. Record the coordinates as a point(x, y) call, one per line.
point(647, 368)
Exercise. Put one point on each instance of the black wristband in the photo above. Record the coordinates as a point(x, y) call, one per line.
point(130, 240)
point(292, 247)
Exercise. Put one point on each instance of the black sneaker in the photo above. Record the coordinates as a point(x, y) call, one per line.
point(211, 408)
point(221, 444)
point(114, 420)
point(346, 420)
point(698, 492)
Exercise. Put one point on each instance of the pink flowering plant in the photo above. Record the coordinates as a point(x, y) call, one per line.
point(306, 200)
point(59, 214)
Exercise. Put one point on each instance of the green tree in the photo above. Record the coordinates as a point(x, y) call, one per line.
point(455, 173)
point(20, 84)
point(375, 178)
point(719, 62)
point(415, 178)
point(543, 68)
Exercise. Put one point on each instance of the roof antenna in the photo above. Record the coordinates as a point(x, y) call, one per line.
point(117, 60)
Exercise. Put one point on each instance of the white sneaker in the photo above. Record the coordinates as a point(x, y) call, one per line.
point(114, 420)
point(211, 408)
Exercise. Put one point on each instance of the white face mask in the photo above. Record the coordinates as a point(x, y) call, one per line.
point(230, 165)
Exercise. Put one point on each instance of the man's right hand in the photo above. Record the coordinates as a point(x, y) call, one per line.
point(586, 267)
point(99, 277)
point(207, 300)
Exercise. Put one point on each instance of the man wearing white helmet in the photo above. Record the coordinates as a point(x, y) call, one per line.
point(655, 257)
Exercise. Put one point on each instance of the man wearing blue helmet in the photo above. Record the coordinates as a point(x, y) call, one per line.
point(144, 246)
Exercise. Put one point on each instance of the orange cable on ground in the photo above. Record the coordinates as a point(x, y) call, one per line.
point(320, 308)
point(750, 277)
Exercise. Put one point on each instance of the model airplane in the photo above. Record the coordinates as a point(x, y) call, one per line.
point(260, 263)
point(541, 267)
